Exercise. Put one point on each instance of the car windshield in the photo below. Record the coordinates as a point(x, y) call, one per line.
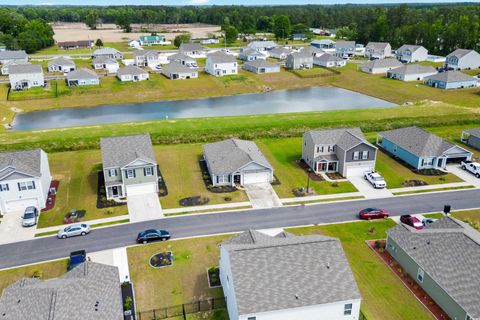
point(377, 178)
point(28, 215)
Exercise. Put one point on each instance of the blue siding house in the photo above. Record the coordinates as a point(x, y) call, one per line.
point(421, 149)
point(451, 80)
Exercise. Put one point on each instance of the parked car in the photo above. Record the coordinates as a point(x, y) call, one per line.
point(30, 217)
point(427, 221)
point(373, 213)
point(73, 230)
point(76, 258)
point(412, 221)
point(472, 167)
point(377, 181)
point(153, 235)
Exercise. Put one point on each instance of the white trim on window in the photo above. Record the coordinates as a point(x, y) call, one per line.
point(356, 155)
point(365, 155)
point(347, 309)
point(112, 172)
point(148, 171)
point(4, 187)
point(130, 173)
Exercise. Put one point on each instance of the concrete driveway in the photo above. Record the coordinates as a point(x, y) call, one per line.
point(262, 195)
point(367, 190)
point(11, 229)
point(466, 176)
point(144, 207)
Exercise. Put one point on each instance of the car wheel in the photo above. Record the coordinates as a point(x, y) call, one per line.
point(64, 236)
point(83, 233)
point(477, 175)
point(464, 168)
point(144, 241)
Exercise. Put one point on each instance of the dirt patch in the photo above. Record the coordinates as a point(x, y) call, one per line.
point(335, 176)
point(429, 172)
point(214, 277)
point(304, 166)
point(194, 201)
point(414, 183)
point(74, 216)
point(162, 259)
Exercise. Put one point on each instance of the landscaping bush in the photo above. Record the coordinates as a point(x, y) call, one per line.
point(128, 303)
point(227, 198)
point(380, 244)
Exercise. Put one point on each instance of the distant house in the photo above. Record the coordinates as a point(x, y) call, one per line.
point(24, 180)
point(261, 66)
point(103, 62)
point(25, 76)
point(61, 64)
point(146, 58)
point(7, 65)
point(107, 53)
point(134, 44)
point(248, 54)
point(380, 65)
point(298, 37)
point(81, 44)
point(451, 80)
point(235, 161)
point(323, 44)
point(183, 59)
point(151, 40)
point(443, 260)
point(132, 73)
point(344, 49)
point(471, 137)
point(411, 53)
point(421, 149)
point(345, 151)
point(210, 41)
point(262, 46)
point(82, 77)
point(411, 72)
point(13, 56)
point(299, 60)
point(313, 51)
point(279, 53)
point(461, 59)
point(221, 64)
point(175, 70)
point(329, 61)
point(287, 277)
point(88, 291)
point(193, 50)
point(378, 50)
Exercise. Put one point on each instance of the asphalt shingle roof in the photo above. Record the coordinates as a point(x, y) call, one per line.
point(25, 68)
point(410, 47)
point(117, 152)
point(259, 63)
point(187, 47)
point(105, 51)
point(451, 76)
point(175, 67)
point(61, 61)
point(262, 44)
point(382, 63)
point(327, 57)
point(82, 74)
point(345, 138)
point(104, 60)
point(459, 53)
point(414, 69)
point(377, 45)
point(227, 156)
point(180, 56)
point(474, 132)
point(140, 53)
point(280, 50)
point(13, 54)
point(285, 272)
point(345, 44)
point(25, 161)
point(133, 70)
point(221, 57)
point(304, 54)
point(250, 52)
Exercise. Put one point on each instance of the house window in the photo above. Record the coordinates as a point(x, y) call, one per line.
point(356, 155)
point(130, 173)
point(4, 187)
point(364, 155)
point(427, 162)
point(23, 186)
point(347, 309)
point(223, 179)
point(394, 148)
point(148, 171)
point(331, 148)
point(420, 275)
point(112, 172)
point(252, 318)
point(468, 317)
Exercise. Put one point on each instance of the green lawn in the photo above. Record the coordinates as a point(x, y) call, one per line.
point(282, 154)
point(384, 297)
point(313, 72)
point(469, 216)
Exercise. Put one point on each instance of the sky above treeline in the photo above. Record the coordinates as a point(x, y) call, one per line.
point(213, 2)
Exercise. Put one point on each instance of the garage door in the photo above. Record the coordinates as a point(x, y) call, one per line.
point(256, 177)
point(141, 189)
point(20, 205)
point(357, 170)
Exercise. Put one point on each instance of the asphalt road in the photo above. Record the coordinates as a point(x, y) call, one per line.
point(43, 249)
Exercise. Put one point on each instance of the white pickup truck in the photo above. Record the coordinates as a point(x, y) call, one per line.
point(473, 167)
point(375, 179)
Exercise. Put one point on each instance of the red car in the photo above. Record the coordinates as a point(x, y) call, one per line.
point(373, 213)
point(412, 221)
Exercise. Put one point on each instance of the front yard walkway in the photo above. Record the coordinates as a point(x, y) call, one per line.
point(143, 207)
point(262, 195)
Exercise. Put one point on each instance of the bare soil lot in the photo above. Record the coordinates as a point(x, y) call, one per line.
point(110, 33)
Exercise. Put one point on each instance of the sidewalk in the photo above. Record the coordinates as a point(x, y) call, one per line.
point(322, 197)
point(90, 222)
point(208, 207)
point(432, 187)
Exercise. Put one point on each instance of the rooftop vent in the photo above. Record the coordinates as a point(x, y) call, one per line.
point(328, 265)
point(296, 296)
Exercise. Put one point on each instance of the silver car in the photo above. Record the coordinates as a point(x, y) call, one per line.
point(30, 217)
point(80, 229)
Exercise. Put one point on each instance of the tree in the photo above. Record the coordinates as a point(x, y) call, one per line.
point(282, 27)
point(248, 24)
point(265, 23)
point(182, 38)
point(99, 43)
point(91, 20)
point(231, 34)
point(123, 21)
point(225, 24)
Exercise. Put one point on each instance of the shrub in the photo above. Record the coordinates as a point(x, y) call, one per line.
point(380, 244)
point(37, 273)
point(128, 304)
point(227, 198)
point(381, 250)
point(335, 184)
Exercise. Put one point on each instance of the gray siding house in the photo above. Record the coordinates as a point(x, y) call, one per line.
point(235, 161)
point(463, 59)
point(279, 53)
point(299, 60)
point(82, 77)
point(248, 54)
point(411, 72)
point(411, 53)
point(175, 70)
point(61, 64)
point(261, 66)
point(380, 65)
point(329, 61)
point(107, 53)
point(129, 166)
point(378, 50)
point(451, 80)
point(444, 260)
point(183, 59)
point(471, 137)
point(345, 151)
point(345, 49)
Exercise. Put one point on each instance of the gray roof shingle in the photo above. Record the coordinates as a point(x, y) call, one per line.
point(179, 57)
point(13, 54)
point(24, 161)
point(409, 69)
point(175, 67)
point(345, 138)
point(410, 47)
point(82, 74)
point(61, 61)
point(187, 47)
point(377, 45)
point(117, 152)
point(345, 44)
point(221, 57)
point(280, 50)
point(105, 51)
point(328, 57)
point(141, 53)
point(259, 63)
point(382, 63)
point(459, 53)
point(104, 60)
point(451, 76)
point(133, 70)
point(25, 69)
point(474, 132)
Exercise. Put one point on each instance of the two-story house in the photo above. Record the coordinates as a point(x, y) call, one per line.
point(24, 180)
point(146, 58)
point(345, 151)
point(345, 49)
point(129, 166)
point(221, 64)
point(25, 76)
point(411, 53)
point(378, 50)
point(461, 59)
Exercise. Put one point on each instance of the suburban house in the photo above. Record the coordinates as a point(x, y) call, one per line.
point(261, 66)
point(61, 64)
point(299, 60)
point(345, 49)
point(132, 73)
point(378, 50)
point(151, 40)
point(235, 161)
point(175, 70)
point(344, 150)
point(262, 46)
point(323, 44)
point(443, 261)
point(287, 277)
point(471, 138)
point(209, 41)
point(279, 53)
point(82, 77)
point(298, 37)
point(193, 50)
point(134, 44)
point(88, 291)
point(146, 58)
point(451, 80)
point(7, 65)
point(13, 56)
point(81, 44)
point(183, 59)
point(411, 72)
point(463, 59)
point(329, 61)
point(421, 149)
point(103, 62)
point(25, 76)
point(411, 53)
point(107, 53)
point(313, 51)
point(129, 166)
point(248, 54)
point(379, 66)
point(24, 180)
point(221, 64)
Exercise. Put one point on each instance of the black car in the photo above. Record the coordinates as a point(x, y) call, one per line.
point(153, 235)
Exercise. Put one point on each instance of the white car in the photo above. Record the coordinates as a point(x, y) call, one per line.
point(79, 229)
point(472, 167)
point(375, 179)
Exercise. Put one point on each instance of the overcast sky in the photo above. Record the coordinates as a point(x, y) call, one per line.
point(210, 2)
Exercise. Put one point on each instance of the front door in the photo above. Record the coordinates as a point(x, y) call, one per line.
point(321, 166)
point(115, 191)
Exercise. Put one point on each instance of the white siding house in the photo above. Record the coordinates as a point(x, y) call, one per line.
point(13, 56)
point(411, 72)
point(61, 64)
point(25, 76)
point(411, 53)
point(109, 64)
point(461, 59)
point(221, 64)
point(132, 73)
